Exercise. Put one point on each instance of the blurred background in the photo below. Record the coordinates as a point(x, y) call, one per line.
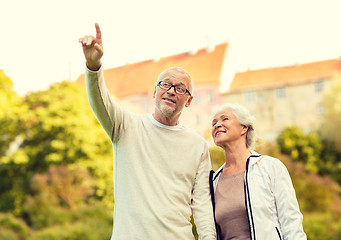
point(280, 59)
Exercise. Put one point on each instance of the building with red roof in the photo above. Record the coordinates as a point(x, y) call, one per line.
point(283, 96)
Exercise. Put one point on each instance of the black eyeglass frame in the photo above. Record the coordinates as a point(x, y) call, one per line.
point(174, 86)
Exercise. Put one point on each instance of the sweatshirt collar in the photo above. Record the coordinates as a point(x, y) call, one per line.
point(180, 126)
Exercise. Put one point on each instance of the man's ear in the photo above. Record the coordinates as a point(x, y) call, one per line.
point(154, 92)
point(189, 100)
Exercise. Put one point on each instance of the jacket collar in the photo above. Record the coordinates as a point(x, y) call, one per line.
point(255, 157)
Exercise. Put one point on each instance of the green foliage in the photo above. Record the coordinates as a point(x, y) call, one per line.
point(10, 103)
point(55, 166)
point(63, 128)
point(67, 186)
point(217, 157)
point(7, 95)
point(321, 226)
point(87, 223)
point(52, 127)
point(330, 161)
point(337, 235)
point(54, 194)
point(316, 197)
point(301, 147)
point(319, 155)
point(6, 234)
point(92, 230)
point(12, 228)
point(56, 222)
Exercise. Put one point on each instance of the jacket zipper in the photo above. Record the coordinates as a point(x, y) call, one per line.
point(279, 234)
point(248, 202)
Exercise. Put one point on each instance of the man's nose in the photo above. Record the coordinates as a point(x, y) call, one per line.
point(171, 90)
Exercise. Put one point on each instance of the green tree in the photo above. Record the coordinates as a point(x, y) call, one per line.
point(7, 95)
point(9, 103)
point(56, 128)
point(302, 147)
point(11, 108)
point(63, 129)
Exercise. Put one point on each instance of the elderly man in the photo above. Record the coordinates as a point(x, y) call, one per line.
point(161, 167)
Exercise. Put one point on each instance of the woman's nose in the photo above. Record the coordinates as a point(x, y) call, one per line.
point(217, 125)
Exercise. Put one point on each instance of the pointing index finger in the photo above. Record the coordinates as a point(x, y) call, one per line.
point(98, 32)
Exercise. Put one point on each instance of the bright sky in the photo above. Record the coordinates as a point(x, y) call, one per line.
point(39, 38)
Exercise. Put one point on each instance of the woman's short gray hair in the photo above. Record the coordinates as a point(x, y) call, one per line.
point(244, 117)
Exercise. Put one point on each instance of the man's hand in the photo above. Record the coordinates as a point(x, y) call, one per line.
point(93, 49)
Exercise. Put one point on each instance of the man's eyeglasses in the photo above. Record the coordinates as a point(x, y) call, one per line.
point(177, 88)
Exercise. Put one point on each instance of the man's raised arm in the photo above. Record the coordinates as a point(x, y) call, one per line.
point(99, 98)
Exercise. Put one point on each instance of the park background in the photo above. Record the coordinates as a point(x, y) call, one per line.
point(56, 161)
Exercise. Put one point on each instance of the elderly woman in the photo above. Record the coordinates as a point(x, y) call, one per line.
point(252, 194)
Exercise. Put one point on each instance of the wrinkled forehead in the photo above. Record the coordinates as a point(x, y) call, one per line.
point(176, 77)
point(222, 112)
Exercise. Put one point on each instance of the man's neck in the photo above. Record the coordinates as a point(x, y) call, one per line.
point(172, 121)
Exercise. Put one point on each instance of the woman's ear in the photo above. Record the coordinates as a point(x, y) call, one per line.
point(244, 129)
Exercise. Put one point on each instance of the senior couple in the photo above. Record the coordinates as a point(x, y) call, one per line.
point(162, 168)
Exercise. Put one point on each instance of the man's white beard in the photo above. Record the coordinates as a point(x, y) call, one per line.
point(167, 110)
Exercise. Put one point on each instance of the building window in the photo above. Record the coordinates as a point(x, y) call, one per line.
point(261, 97)
point(279, 117)
point(294, 116)
point(249, 96)
point(320, 109)
point(280, 92)
point(318, 86)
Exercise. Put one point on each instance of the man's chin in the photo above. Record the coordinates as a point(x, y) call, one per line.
point(168, 111)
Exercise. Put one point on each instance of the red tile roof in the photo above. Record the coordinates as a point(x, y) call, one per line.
point(278, 76)
point(139, 78)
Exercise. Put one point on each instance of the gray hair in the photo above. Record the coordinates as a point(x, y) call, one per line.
point(178, 69)
point(244, 117)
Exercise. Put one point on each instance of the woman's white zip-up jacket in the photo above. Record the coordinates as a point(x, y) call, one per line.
point(270, 200)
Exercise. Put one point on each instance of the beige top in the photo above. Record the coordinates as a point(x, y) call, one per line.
point(230, 209)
